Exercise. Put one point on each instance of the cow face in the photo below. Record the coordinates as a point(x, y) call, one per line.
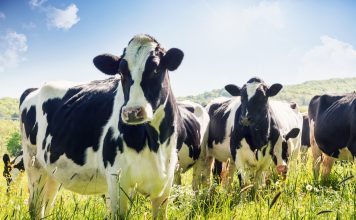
point(254, 97)
point(143, 68)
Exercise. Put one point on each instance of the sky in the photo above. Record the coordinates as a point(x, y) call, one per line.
point(224, 42)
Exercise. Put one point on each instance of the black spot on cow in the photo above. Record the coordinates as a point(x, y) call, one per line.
point(75, 122)
point(293, 105)
point(167, 125)
point(26, 93)
point(218, 118)
point(28, 118)
point(110, 147)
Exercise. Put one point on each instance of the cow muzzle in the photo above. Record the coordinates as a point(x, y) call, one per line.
point(134, 115)
point(282, 170)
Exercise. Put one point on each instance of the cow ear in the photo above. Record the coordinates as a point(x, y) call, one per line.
point(274, 89)
point(6, 159)
point(173, 58)
point(233, 90)
point(107, 63)
point(293, 133)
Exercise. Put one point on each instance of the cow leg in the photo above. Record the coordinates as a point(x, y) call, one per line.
point(37, 179)
point(159, 205)
point(177, 177)
point(326, 167)
point(202, 171)
point(229, 176)
point(118, 197)
point(317, 158)
point(50, 191)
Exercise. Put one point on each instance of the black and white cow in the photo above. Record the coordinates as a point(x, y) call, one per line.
point(192, 152)
point(332, 130)
point(252, 130)
point(12, 168)
point(109, 136)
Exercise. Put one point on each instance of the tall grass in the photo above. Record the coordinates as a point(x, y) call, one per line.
point(297, 197)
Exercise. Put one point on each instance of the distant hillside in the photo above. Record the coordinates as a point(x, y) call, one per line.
point(299, 93)
point(9, 108)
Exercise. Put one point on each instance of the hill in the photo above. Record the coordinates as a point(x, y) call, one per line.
point(9, 108)
point(299, 93)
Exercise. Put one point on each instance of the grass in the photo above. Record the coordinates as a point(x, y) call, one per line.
point(298, 197)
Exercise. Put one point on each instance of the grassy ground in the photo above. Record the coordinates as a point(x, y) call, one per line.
point(295, 198)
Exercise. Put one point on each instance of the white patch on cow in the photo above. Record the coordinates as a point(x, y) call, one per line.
point(137, 52)
point(251, 89)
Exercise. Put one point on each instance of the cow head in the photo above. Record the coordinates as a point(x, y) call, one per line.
point(280, 157)
point(254, 99)
point(145, 83)
point(12, 169)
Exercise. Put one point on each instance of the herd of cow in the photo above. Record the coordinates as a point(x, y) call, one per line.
point(128, 133)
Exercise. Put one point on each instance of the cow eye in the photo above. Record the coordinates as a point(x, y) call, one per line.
point(152, 64)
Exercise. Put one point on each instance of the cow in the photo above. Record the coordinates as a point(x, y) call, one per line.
point(192, 152)
point(115, 136)
point(252, 130)
point(332, 131)
point(12, 168)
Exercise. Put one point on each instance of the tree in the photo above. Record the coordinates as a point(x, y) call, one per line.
point(14, 144)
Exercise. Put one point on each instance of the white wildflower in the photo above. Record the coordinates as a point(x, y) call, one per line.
point(309, 187)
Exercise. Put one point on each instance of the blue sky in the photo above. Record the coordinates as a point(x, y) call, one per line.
point(224, 41)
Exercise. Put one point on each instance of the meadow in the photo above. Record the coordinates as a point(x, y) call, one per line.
point(297, 197)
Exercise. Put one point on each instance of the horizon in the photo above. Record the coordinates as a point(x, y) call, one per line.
point(224, 42)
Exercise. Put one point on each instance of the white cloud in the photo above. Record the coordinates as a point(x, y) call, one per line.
point(58, 18)
point(37, 3)
point(11, 50)
point(240, 22)
point(63, 19)
point(2, 16)
point(333, 58)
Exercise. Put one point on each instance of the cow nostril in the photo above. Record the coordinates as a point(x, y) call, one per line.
point(133, 113)
point(140, 113)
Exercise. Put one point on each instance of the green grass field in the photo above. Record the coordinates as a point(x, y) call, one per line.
point(295, 198)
